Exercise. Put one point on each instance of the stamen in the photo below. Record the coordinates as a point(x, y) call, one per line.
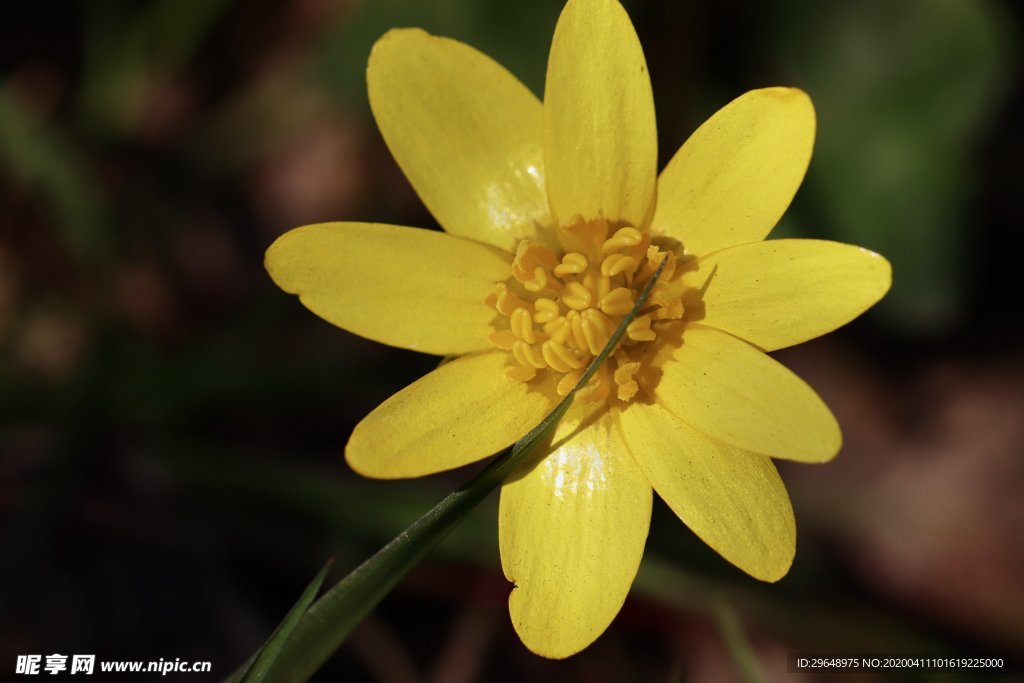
point(572, 263)
point(538, 282)
point(618, 263)
point(595, 331)
point(597, 389)
point(624, 237)
point(568, 381)
point(559, 357)
point(522, 326)
point(576, 324)
point(577, 296)
point(504, 301)
point(640, 329)
point(619, 301)
point(671, 310)
point(527, 355)
point(654, 257)
point(573, 302)
point(558, 329)
point(627, 386)
point(546, 310)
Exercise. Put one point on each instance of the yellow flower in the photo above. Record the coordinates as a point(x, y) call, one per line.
point(554, 217)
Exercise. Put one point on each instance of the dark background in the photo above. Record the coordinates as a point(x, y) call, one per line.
point(172, 425)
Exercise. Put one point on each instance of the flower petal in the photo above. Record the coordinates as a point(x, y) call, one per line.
point(734, 393)
point(782, 292)
point(417, 289)
point(600, 142)
point(462, 412)
point(733, 179)
point(466, 133)
point(733, 500)
point(572, 532)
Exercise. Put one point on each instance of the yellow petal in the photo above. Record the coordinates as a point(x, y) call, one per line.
point(733, 500)
point(572, 532)
point(417, 289)
point(782, 292)
point(464, 131)
point(732, 392)
point(464, 411)
point(600, 142)
point(733, 179)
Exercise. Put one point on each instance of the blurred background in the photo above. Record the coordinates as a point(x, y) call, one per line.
point(172, 425)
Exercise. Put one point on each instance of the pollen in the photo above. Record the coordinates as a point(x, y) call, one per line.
point(562, 305)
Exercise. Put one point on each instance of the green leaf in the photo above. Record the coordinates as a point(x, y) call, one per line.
point(333, 617)
point(258, 666)
point(43, 159)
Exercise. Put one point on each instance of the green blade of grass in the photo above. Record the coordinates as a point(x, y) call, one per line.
point(735, 640)
point(332, 618)
point(258, 666)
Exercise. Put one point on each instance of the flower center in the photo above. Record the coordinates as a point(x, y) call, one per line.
point(559, 309)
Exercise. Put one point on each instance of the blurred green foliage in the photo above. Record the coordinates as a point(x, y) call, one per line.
point(125, 44)
point(905, 92)
point(517, 35)
point(43, 160)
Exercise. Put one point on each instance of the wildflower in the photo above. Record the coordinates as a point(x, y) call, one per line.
point(555, 217)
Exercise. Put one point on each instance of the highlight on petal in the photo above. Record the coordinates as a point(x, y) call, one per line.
point(782, 292)
point(600, 141)
point(733, 500)
point(732, 392)
point(461, 412)
point(416, 289)
point(466, 133)
point(733, 179)
point(572, 530)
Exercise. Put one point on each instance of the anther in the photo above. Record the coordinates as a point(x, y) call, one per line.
point(594, 331)
point(528, 355)
point(572, 263)
point(654, 257)
point(627, 386)
point(577, 296)
point(546, 310)
point(576, 325)
point(618, 263)
point(568, 381)
point(565, 355)
point(670, 310)
point(603, 320)
point(640, 329)
point(538, 282)
point(623, 237)
point(504, 301)
point(522, 325)
point(619, 301)
point(558, 357)
point(558, 329)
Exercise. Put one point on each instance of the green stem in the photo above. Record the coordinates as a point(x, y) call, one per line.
point(331, 618)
